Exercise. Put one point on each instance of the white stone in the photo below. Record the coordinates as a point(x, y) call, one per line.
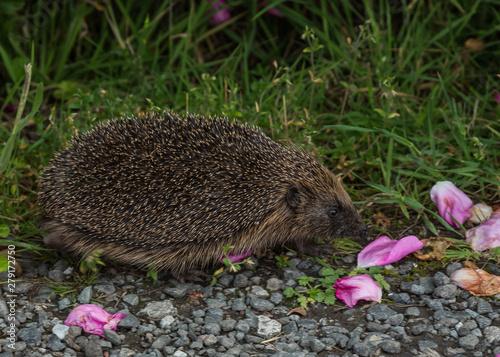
point(159, 309)
point(167, 322)
point(60, 331)
point(267, 327)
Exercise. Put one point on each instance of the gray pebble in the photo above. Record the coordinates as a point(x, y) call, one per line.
point(113, 337)
point(92, 349)
point(176, 292)
point(453, 267)
point(483, 321)
point(213, 318)
point(55, 275)
point(308, 324)
point(395, 320)
point(402, 298)
point(492, 334)
point(292, 273)
point(210, 340)
point(483, 307)
point(242, 326)
point(159, 309)
point(238, 305)
point(182, 341)
point(441, 278)
point(377, 327)
point(227, 325)
point(107, 289)
point(276, 298)
point(240, 281)
point(261, 304)
point(468, 342)
point(212, 328)
point(447, 291)
point(85, 296)
point(274, 284)
point(226, 342)
point(75, 331)
point(225, 280)
point(55, 344)
point(424, 344)
point(412, 311)
point(131, 299)
point(381, 312)
point(30, 334)
point(60, 331)
point(316, 345)
point(63, 304)
point(267, 327)
point(129, 321)
point(391, 347)
point(290, 328)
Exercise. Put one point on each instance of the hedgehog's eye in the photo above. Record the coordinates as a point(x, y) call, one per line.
point(333, 212)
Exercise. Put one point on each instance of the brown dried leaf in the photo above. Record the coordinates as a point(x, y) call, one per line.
point(435, 249)
point(474, 44)
point(382, 220)
point(477, 281)
point(195, 296)
point(298, 310)
point(470, 265)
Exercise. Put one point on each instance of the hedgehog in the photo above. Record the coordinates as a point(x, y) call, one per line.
point(169, 192)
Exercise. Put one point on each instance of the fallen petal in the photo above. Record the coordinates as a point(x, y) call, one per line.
point(486, 235)
point(237, 258)
point(271, 10)
point(354, 288)
point(477, 281)
point(452, 203)
point(221, 13)
point(93, 319)
point(385, 250)
point(480, 212)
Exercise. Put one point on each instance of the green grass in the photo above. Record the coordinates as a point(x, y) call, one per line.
point(387, 96)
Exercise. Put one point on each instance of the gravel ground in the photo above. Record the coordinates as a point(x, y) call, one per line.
point(245, 314)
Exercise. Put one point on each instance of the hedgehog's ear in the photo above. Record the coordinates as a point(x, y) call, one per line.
point(293, 197)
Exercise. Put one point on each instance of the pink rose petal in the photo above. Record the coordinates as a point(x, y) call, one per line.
point(451, 202)
point(385, 250)
point(271, 10)
point(93, 319)
point(237, 258)
point(221, 14)
point(354, 288)
point(486, 235)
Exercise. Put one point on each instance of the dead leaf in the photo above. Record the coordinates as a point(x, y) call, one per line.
point(195, 296)
point(434, 249)
point(477, 281)
point(382, 220)
point(474, 45)
point(470, 265)
point(298, 310)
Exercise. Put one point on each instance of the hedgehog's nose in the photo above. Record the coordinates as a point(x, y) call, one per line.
point(364, 233)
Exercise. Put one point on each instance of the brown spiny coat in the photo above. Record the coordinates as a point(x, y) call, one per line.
point(170, 192)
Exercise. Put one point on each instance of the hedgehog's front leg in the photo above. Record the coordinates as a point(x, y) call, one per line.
point(308, 247)
point(192, 275)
